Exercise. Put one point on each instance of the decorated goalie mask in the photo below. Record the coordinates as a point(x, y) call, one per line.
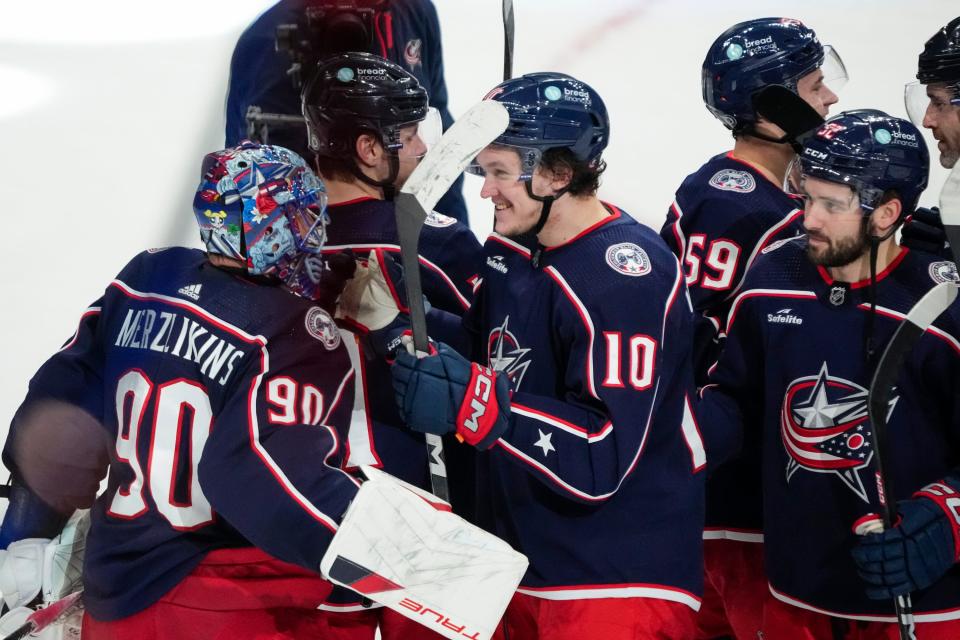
point(262, 205)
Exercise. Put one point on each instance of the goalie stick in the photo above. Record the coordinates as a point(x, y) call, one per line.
point(507, 39)
point(918, 320)
point(473, 131)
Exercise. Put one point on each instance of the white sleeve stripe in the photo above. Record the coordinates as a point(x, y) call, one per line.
point(691, 434)
point(761, 243)
point(769, 293)
point(269, 462)
point(360, 445)
point(936, 616)
point(940, 333)
point(670, 299)
point(591, 592)
point(678, 232)
point(507, 242)
point(570, 488)
point(91, 311)
point(559, 423)
point(587, 323)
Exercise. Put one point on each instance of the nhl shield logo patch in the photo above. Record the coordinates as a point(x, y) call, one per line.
point(733, 180)
point(322, 327)
point(628, 259)
point(838, 295)
point(943, 271)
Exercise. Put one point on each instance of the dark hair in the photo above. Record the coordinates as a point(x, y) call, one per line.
point(585, 178)
point(342, 166)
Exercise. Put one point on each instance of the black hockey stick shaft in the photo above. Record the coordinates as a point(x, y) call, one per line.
point(410, 218)
point(507, 39)
point(920, 317)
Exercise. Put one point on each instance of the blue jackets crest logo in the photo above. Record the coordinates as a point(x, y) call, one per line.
point(628, 259)
point(733, 180)
point(825, 428)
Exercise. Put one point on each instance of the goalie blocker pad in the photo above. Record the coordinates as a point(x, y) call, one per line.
point(402, 547)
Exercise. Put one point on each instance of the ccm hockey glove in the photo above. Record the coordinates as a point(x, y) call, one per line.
point(919, 550)
point(446, 393)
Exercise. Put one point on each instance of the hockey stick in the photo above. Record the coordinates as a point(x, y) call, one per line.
point(43, 618)
point(918, 320)
point(507, 39)
point(433, 176)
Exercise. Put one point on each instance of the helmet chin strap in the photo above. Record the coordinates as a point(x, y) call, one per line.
point(874, 241)
point(784, 139)
point(547, 204)
point(387, 187)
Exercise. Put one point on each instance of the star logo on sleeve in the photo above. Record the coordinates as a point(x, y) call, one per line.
point(544, 442)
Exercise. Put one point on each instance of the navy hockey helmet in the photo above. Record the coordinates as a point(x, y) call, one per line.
point(353, 93)
point(755, 54)
point(262, 205)
point(938, 63)
point(871, 152)
point(552, 110)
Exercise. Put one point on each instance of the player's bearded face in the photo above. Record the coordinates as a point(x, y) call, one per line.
point(515, 212)
point(837, 230)
point(943, 120)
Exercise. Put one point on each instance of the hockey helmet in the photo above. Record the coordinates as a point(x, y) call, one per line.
point(551, 110)
point(871, 152)
point(753, 55)
point(939, 62)
point(353, 93)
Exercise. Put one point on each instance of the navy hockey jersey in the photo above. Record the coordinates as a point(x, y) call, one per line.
point(793, 377)
point(217, 393)
point(407, 33)
point(450, 261)
point(598, 477)
point(723, 216)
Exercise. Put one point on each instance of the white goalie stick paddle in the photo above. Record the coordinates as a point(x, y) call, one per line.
point(507, 39)
point(438, 170)
point(918, 320)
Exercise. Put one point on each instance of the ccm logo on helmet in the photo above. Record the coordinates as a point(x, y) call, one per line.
point(813, 153)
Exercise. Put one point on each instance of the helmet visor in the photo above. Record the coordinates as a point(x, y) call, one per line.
point(430, 129)
point(939, 97)
point(834, 71)
point(504, 170)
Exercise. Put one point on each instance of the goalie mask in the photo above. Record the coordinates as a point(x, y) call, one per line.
point(262, 205)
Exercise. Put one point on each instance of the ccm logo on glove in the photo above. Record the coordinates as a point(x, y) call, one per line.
point(477, 413)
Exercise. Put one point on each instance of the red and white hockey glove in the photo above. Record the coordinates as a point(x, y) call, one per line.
point(446, 393)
